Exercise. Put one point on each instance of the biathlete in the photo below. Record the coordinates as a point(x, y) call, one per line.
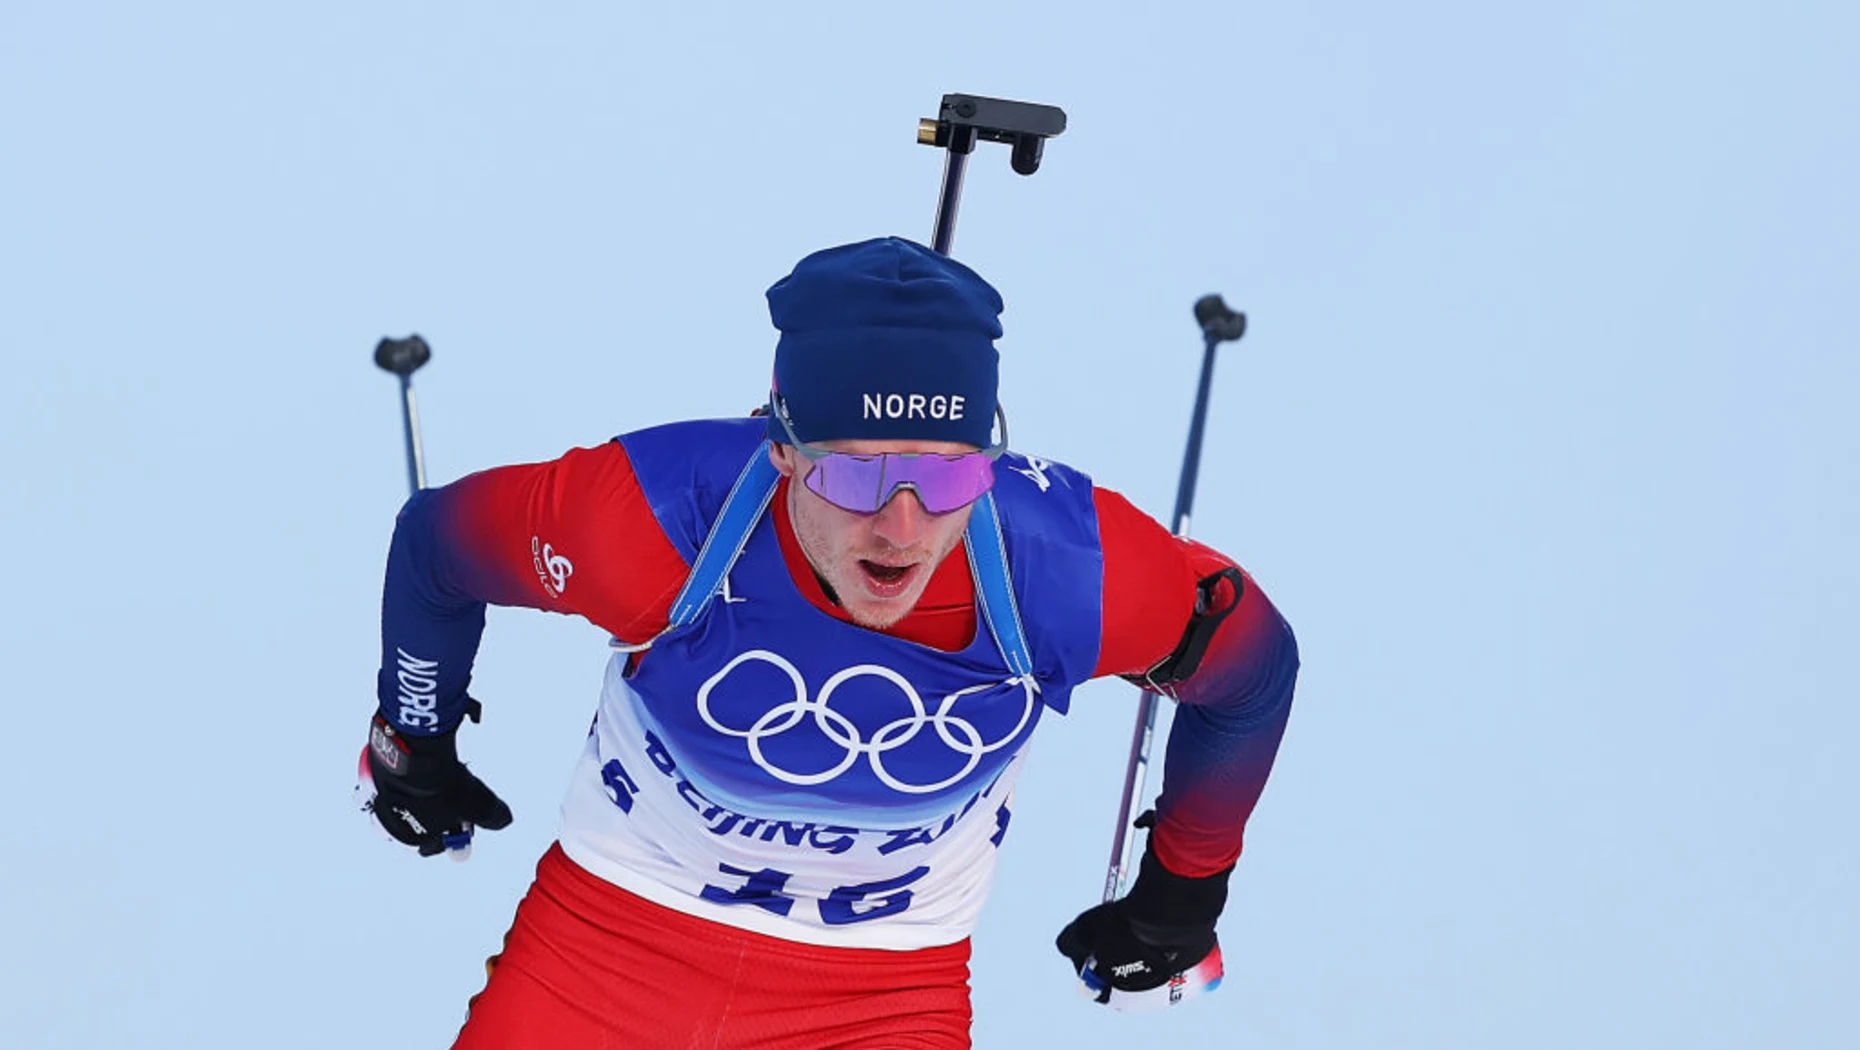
point(836, 627)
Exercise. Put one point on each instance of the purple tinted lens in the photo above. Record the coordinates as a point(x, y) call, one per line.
point(862, 484)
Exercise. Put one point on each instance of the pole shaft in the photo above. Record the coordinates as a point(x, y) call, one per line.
point(410, 420)
point(955, 164)
point(1135, 774)
point(1191, 457)
point(1136, 771)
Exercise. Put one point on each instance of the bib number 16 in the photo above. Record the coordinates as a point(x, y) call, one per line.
point(861, 902)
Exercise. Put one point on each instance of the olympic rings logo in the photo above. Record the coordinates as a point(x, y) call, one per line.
point(958, 734)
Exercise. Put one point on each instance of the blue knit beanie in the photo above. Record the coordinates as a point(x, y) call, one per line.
point(885, 339)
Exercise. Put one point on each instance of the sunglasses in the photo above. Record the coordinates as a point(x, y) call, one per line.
point(862, 484)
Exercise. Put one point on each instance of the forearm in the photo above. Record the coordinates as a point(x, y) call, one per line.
point(1231, 716)
point(432, 619)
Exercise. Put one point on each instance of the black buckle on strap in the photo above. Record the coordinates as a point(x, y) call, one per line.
point(1213, 604)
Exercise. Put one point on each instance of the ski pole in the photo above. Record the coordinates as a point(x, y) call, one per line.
point(961, 121)
point(1218, 325)
point(403, 357)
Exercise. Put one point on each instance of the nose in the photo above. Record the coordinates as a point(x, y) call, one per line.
point(900, 522)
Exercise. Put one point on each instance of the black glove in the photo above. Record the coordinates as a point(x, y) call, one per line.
point(422, 794)
point(1156, 945)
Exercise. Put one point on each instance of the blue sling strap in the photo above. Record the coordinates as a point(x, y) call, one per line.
point(994, 587)
point(742, 508)
point(749, 498)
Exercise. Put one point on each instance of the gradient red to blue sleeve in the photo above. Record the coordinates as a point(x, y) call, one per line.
point(1230, 717)
point(483, 540)
point(432, 616)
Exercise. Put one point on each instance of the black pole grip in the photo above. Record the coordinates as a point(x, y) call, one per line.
point(1218, 322)
point(403, 357)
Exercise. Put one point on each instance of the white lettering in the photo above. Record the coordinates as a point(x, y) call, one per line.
point(410, 662)
point(1035, 470)
point(911, 406)
point(412, 821)
point(551, 568)
point(419, 687)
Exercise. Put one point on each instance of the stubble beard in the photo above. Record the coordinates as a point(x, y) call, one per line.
point(835, 563)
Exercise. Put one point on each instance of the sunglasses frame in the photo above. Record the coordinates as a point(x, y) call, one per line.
point(814, 453)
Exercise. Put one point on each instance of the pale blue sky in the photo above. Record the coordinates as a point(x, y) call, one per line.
point(1543, 438)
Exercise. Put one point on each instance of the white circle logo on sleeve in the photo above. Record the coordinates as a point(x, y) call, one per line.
point(957, 734)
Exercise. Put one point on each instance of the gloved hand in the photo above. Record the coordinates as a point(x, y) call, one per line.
point(422, 794)
point(1154, 947)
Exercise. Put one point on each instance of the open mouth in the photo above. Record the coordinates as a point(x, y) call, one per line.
point(886, 581)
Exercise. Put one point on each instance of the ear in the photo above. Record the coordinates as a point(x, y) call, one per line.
point(782, 457)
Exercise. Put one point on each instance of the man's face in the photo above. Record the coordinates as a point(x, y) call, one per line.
point(878, 564)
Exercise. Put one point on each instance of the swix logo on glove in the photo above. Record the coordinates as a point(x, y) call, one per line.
point(1129, 968)
point(413, 822)
point(551, 568)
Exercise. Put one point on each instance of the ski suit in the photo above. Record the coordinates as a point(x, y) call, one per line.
point(783, 825)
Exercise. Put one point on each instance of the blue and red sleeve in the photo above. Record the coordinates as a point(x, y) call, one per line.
point(1231, 711)
point(573, 535)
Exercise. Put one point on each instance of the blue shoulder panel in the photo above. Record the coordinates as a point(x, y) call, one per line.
point(742, 509)
point(1050, 528)
point(687, 471)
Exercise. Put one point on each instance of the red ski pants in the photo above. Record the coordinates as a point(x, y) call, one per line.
point(589, 966)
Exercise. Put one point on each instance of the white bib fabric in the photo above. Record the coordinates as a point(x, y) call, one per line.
point(634, 819)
